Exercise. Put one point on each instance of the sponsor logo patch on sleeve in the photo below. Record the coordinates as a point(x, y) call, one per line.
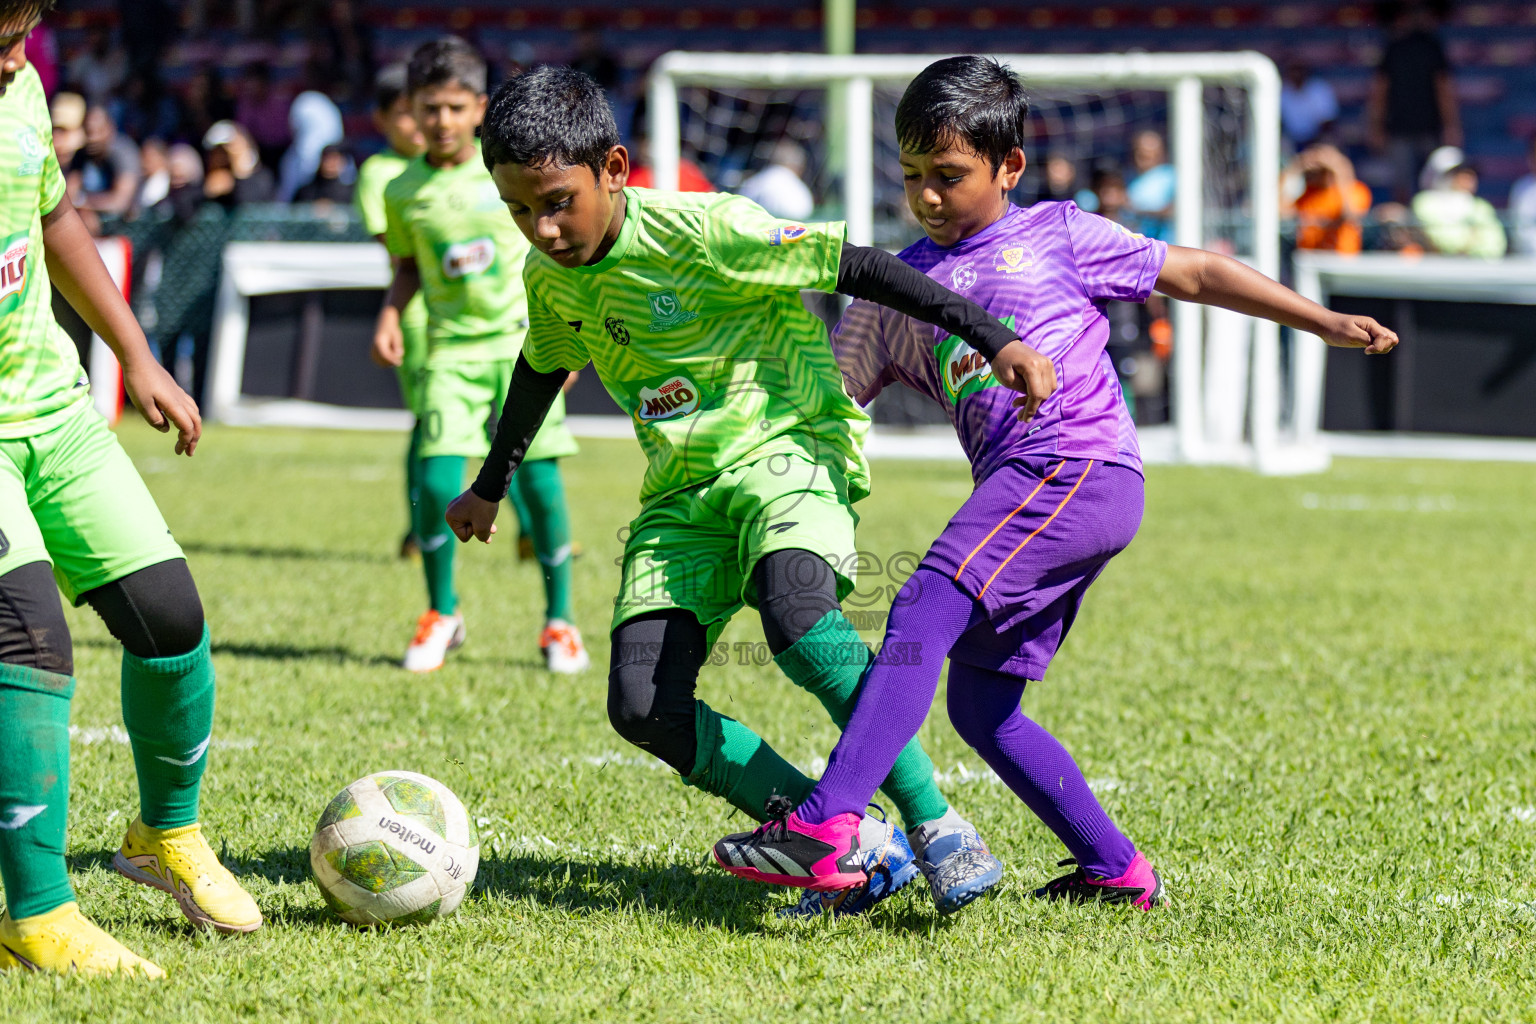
point(783, 234)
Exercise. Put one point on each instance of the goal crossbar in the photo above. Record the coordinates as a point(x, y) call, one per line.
point(1182, 75)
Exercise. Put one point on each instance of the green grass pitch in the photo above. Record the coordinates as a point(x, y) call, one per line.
point(1310, 700)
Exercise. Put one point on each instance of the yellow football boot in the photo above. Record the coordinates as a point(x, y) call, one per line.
point(65, 940)
point(180, 861)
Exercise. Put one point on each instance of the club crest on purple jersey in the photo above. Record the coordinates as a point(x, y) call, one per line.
point(1012, 259)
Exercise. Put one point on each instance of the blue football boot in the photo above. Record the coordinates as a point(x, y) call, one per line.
point(958, 866)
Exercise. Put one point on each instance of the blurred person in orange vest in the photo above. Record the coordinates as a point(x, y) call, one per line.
point(1320, 190)
point(690, 177)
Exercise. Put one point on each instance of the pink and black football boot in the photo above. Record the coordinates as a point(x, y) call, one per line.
point(1140, 886)
point(787, 851)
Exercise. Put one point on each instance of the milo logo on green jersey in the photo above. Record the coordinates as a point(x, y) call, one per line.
point(13, 270)
point(466, 259)
point(965, 371)
point(670, 398)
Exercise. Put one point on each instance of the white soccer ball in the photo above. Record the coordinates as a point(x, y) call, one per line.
point(394, 848)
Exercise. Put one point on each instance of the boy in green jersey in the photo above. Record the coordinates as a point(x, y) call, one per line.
point(392, 118)
point(451, 241)
point(689, 307)
point(74, 515)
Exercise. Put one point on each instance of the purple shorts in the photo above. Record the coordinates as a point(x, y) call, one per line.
point(1026, 545)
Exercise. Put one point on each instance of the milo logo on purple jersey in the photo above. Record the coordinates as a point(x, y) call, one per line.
point(965, 370)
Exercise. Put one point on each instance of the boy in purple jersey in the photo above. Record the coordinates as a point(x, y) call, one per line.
point(1056, 495)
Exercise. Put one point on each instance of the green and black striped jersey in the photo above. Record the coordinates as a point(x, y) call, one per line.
point(696, 327)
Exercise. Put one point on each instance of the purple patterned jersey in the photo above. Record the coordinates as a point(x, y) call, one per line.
point(1046, 272)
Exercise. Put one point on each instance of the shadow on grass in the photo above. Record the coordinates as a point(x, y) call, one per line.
point(335, 655)
point(598, 885)
point(287, 553)
point(273, 652)
point(288, 864)
point(696, 894)
point(295, 652)
point(699, 894)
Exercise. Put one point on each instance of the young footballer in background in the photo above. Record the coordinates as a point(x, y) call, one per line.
point(392, 119)
point(75, 516)
point(448, 231)
point(689, 307)
point(1057, 493)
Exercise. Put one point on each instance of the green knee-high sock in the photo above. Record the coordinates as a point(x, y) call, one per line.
point(519, 504)
point(34, 788)
point(168, 711)
point(442, 478)
point(830, 662)
point(543, 493)
point(735, 763)
point(413, 517)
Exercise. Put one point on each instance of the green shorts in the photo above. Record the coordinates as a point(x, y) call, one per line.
point(410, 369)
point(459, 402)
point(695, 549)
point(71, 497)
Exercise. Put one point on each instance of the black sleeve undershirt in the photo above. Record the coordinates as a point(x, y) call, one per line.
point(877, 276)
point(863, 273)
point(529, 396)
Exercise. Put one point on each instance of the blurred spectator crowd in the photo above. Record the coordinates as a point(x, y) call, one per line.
point(181, 119)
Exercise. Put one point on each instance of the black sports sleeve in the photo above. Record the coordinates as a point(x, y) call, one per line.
point(529, 396)
point(877, 276)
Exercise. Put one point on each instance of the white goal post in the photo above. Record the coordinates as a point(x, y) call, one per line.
point(1212, 394)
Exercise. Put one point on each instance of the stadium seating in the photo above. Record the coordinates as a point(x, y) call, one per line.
point(1492, 44)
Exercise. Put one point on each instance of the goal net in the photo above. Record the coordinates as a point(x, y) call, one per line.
point(1224, 394)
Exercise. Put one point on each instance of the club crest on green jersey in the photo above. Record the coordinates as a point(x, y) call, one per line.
point(13, 270)
point(667, 398)
point(667, 310)
point(32, 153)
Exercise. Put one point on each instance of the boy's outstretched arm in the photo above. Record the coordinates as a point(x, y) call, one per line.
point(388, 339)
point(877, 276)
point(75, 268)
point(529, 396)
point(1195, 275)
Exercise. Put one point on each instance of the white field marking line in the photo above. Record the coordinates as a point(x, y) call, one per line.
point(1523, 814)
point(1378, 503)
point(962, 773)
point(93, 734)
point(614, 757)
point(98, 734)
point(504, 843)
point(1453, 900)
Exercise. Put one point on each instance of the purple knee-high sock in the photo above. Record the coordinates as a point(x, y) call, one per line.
point(928, 616)
point(984, 707)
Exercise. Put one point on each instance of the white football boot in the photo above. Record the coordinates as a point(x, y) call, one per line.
point(436, 635)
point(562, 647)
